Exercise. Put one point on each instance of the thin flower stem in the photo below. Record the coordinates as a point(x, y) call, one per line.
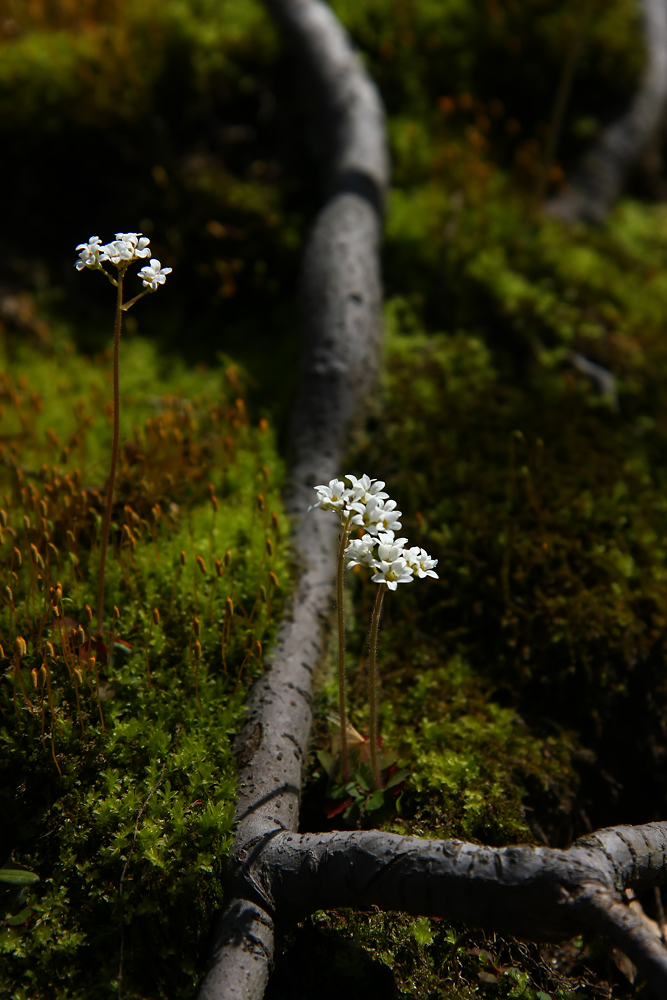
point(128, 305)
point(106, 526)
point(372, 681)
point(340, 583)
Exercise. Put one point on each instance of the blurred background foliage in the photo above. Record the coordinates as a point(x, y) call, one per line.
point(180, 118)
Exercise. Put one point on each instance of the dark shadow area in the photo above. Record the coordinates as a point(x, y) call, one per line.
point(317, 964)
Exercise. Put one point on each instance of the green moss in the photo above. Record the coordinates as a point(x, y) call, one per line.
point(148, 798)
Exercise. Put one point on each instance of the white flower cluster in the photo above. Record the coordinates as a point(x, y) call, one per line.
point(365, 505)
point(126, 248)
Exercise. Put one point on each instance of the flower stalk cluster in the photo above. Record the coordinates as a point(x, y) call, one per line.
point(365, 505)
point(120, 253)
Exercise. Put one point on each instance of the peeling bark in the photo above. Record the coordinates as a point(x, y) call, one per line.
point(605, 167)
point(275, 874)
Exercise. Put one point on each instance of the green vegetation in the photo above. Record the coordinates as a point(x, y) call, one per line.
point(123, 804)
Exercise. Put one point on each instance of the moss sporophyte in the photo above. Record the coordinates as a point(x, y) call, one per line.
point(90, 721)
point(365, 506)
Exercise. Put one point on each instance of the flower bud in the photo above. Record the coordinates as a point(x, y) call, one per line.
point(196, 626)
point(274, 580)
point(89, 613)
point(262, 594)
point(3, 517)
point(17, 557)
point(211, 490)
point(49, 650)
point(218, 567)
point(116, 613)
point(261, 505)
point(78, 676)
point(42, 676)
point(201, 564)
point(9, 595)
point(70, 538)
point(81, 635)
point(269, 548)
point(2, 653)
point(229, 606)
point(197, 649)
point(33, 678)
point(156, 616)
point(214, 504)
point(59, 591)
point(20, 646)
point(56, 612)
point(43, 508)
point(274, 521)
point(183, 557)
point(53, 551)
point(26, 522)
point(257, 649)
point(228, 557)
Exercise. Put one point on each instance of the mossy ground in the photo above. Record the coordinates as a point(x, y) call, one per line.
point(123, 807)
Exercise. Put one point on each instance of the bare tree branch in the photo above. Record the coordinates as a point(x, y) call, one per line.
point(341, 299)
point(599, 180)
point(534, 893)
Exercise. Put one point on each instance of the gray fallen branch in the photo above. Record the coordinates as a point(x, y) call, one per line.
point(341, 300)
point(598, 182)
point(534, 893)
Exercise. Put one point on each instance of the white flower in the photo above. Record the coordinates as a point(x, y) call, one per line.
point(420, 562)
point(389, 518)
point(117, 252)
point(90, 253)
point(137, 241)
point(392, 573)
point(126, 247)
point(365, 488)
point(368, 515)
point(332, 497)
point(360, 552)
point(154, 274)
point(389, 547)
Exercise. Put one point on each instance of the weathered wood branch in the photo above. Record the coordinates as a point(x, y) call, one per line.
point(535, 893)
point(341, 299)
point(599, 180)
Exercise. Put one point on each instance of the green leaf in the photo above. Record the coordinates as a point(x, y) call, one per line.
point(421, 931)
point(397, 778)
point(364, 777)
point(385, 760)
point(17, 876)
point(375, 801)
point(20, 918)
point(326, 760)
